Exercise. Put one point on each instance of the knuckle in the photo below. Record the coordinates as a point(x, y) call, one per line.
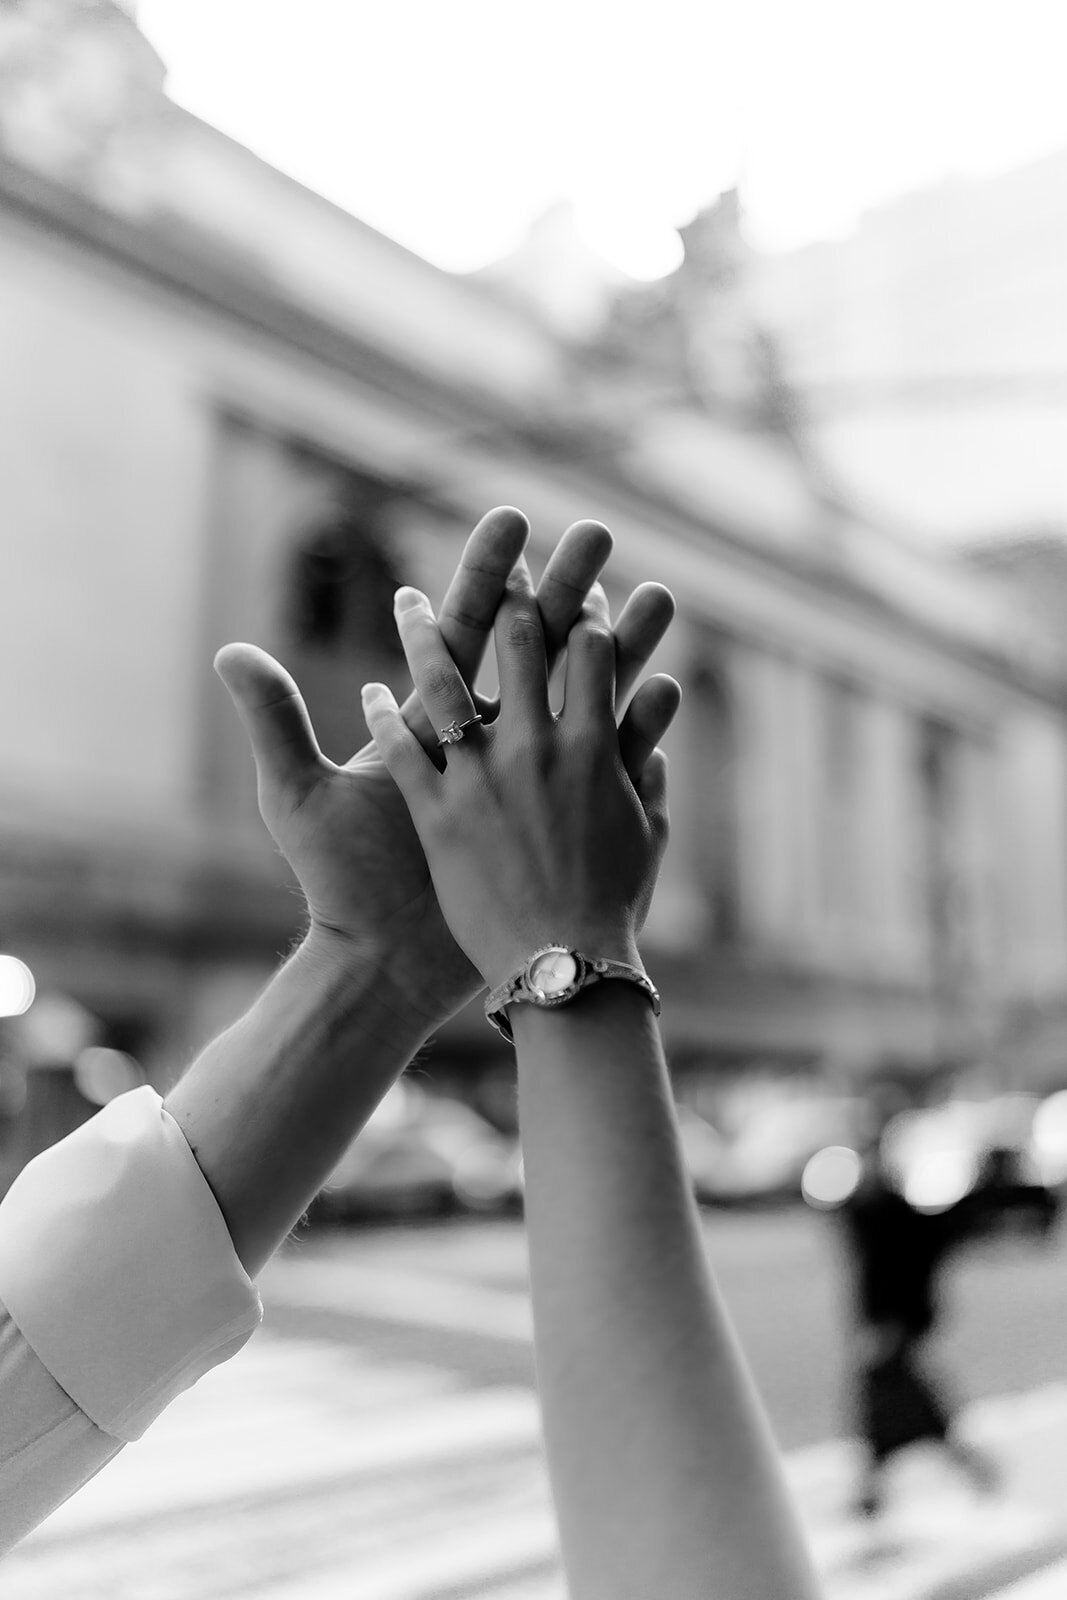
point(589, 756)
point(524, 630)
point(439, 679)
point(388, 735)
point(594, 638)
point(414, 620)
point(529, 750)
point(466, 616)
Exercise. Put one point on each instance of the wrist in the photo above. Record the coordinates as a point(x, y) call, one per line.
point(607, 943)
point(366, 979)
point(340, 955)
point(557, 976)
point(602, 1005)
point(425, 979)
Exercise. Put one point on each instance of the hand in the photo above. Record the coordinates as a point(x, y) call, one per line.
point(345, 830)
point(542, 829)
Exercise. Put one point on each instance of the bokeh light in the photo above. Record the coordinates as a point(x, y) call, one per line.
point(1050, 1137)
point(102, 1074)
point(831, 1176)
point(939, 1178)
point(17, 987)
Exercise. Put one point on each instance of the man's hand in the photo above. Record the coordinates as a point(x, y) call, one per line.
point(345, 830)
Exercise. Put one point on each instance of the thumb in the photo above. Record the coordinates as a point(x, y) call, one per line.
point(273, 711)
point(651, 787)
point(650, 714)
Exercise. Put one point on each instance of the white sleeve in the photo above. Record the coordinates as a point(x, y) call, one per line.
point(118, 1269)
point(48, 1448)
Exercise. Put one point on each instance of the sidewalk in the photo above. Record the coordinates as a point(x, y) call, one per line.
point(1051, 1584)
point(308, 1470)
point(937, 1540)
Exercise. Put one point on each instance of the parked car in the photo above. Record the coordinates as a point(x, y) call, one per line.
point(422, 1153)
point(765, 1159)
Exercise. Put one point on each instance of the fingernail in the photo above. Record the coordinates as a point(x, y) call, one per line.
point(406, 599)
point(373, 691)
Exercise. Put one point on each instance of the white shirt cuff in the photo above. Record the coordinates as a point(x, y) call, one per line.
point(118, 1268)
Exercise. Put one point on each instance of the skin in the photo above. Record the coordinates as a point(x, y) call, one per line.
point(269, 1107)
point(345, 831)
point(664, 1473)
point(530, 775)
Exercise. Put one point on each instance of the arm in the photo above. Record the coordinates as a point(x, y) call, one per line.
point(269, 1107)
point(544, 830)
point(664, 1471)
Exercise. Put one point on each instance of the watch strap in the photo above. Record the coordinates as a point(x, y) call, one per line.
point(592, 969)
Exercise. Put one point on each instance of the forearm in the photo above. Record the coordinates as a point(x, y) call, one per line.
point(651, 1420)
point(269, 1106)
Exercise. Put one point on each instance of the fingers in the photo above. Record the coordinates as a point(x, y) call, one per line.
point(470, 605)
point(650, 714)
point(589, 692)
point(573, 567)
point(640, 626)
point(477, 588)
point(272, 709)
point(438, 681)
point(407, 762)
point(520, 650)
point(651, 789)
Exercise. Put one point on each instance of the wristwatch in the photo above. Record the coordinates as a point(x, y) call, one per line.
point(555, 974)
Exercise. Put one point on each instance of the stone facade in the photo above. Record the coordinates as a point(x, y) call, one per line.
point(929, 349)
point(233, 411)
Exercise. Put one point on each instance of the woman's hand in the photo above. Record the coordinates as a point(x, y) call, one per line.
point(542, 829)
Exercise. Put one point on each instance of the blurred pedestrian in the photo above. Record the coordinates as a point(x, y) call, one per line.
point(897, 1253)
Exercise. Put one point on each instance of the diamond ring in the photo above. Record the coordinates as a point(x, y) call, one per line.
point(455, 730)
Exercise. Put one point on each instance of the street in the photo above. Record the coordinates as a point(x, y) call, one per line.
point(379, 1437)
point(781, 1276)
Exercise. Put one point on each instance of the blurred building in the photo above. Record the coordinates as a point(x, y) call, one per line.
point(930, 351)
point(230, 410)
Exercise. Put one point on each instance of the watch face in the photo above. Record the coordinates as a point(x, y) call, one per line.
point(552, 972)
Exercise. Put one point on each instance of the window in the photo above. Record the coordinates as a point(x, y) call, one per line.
point(337, 595)
point(842, 839)
point(344, 576)
point(304, 558)
point(716, 812)
point(944, 889)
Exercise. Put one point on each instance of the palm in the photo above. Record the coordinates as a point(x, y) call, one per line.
point(357, 857)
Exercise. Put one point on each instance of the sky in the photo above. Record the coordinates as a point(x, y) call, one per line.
point(450, 124)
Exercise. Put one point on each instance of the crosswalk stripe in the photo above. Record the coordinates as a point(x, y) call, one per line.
point(1048, 1585)
point(406, 1297)
point(534, 1586)
point(469, 1557)
point(217, 1442)
point(450, 1496)
point(1035, 1408)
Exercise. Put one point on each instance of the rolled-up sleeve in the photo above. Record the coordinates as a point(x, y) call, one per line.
point(48, 1448)
point(117, 1268)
